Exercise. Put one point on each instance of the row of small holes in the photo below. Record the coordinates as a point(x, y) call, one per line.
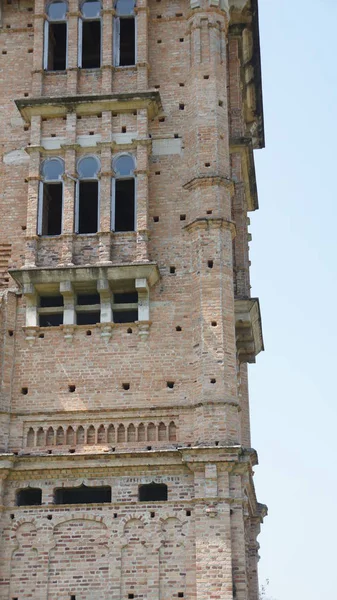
point(125, 386)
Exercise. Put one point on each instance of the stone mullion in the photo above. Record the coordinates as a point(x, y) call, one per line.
point(107, 45)
point(73, 32)
point(105, 205)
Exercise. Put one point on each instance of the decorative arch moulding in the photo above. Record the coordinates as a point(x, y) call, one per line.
point(89, 105)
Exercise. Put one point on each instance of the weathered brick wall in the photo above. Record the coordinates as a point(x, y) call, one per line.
point(194, 189)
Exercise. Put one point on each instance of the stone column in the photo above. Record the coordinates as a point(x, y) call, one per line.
point(72, 64)
point(142, 182)
point(108, 13)
point(105, 191)
point(69, 191)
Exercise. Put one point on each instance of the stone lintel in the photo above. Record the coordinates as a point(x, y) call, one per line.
point(248, 328)
point(89, 105)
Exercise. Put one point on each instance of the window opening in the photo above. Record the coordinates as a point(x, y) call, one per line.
point(51, 197)
point(29, 497)
point(87, 201)
point(125, 307)
point(123, 216)
point(90, 35)
point(82, 495)
point(88, 309)
point(55, 50)
point(50, 311)
point(125, 33)
point(152, 492)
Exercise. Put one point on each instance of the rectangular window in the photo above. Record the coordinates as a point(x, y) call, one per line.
point(82, 495)
point(52, 200)
point(127, 42)
point(125, 307)
point(125, 205)
point(50, 311)
point(91, 44)
point(87, 207)
point(88, 309)
point(57, 47)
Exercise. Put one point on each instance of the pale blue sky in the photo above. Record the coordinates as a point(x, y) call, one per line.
point(293, 254)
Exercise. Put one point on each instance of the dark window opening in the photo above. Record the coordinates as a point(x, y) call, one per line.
point(88, 207)
point(125, 205)
point(52, 209)
point(48, 301)
point(51, 320)
point(29, 497)
point(152, 492)
point(125, 316)
point(127, 47)
point(82, 495)
point(127, 298)
point(91, 44)
point(88, 318)
point(84, 299)
point(57, 46)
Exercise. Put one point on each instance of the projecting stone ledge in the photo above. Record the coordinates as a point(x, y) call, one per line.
point(248, 329)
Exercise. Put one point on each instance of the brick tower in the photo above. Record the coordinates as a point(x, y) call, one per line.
point(127, 173)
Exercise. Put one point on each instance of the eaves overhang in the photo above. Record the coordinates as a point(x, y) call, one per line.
point(248, 329)
point(51, 107)
point(37, 276)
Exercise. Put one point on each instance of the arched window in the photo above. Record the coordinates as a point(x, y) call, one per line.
point(90, 35)
point(123, 207)
point(87, 195)
point(51, 197)
point(125, 33)
point(56, 36)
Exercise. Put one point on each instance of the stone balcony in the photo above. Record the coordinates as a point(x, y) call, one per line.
point(248, 329)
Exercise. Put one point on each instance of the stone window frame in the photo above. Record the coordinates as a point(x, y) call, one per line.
point(47, 22)
point(82, 18)
point(43, 181)
point(77, 191)
point(118, 177)
point(116, 35)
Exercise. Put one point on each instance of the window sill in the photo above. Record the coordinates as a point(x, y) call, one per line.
point(105, 329)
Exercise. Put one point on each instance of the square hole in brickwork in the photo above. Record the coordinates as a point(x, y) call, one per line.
point(126, 386)
point(123, 129)
point(181, 85)
point(157, 87)
point(214, 323)
point(172, 270)
point(131, 596)
point(115, 515)
point(183, 217)
point(181, 106)
point(72, 597)
point(180, 594)
point(179, 15)
point(220, 103)
point(129, 330)
point(24, 391)
point(170, 384)
point(209, 212)
point(207, 164)
point(4, 52)
point(210, 264)
point(161, 119)
point(71, 388)
point(158, 41)
point(157, 173)
point(152, 515)
point(30, 50)
point(10, 332)
point(178, 328)
point(213, 380)
point(188, 513)
point(181, 40)
point(156, 219)
point(206, 76)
